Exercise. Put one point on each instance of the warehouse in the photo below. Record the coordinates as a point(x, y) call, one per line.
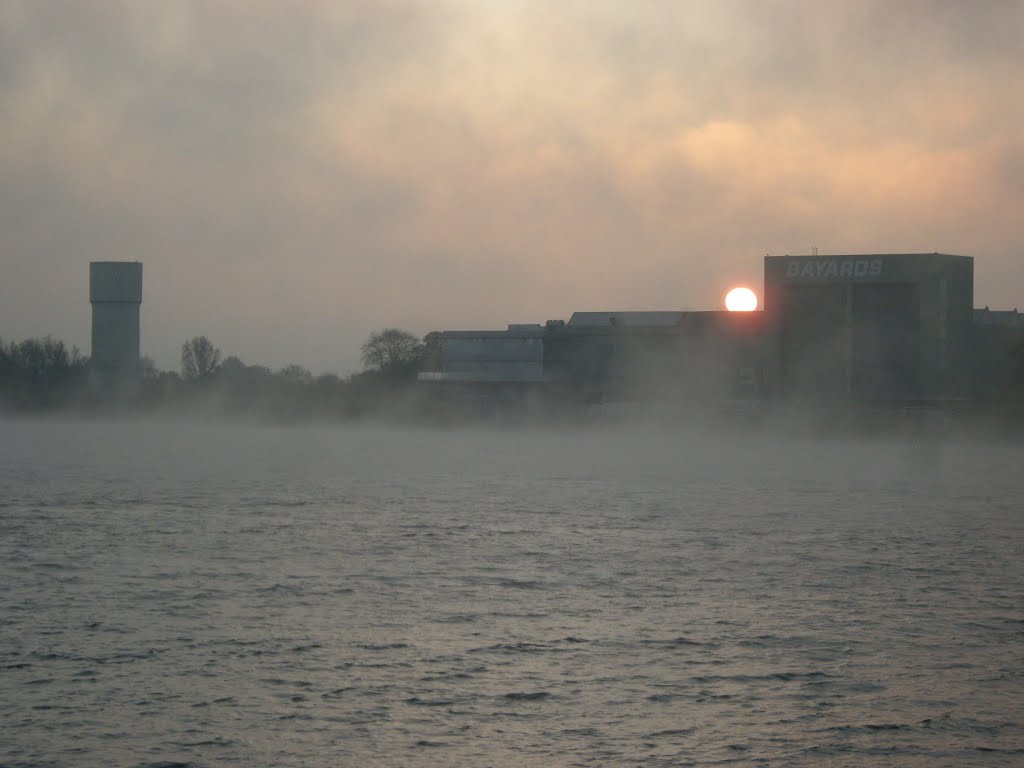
point(997, 353)
point(688, 358)
point(482, 371)
point(692, 358)
point(865, 328)
point(869, 328)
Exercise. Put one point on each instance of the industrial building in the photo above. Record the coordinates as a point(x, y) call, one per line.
point(883, 329)
point(869, 328)
point(696, 358)
point(997, 351)
point(115, 292)
point(484, 370)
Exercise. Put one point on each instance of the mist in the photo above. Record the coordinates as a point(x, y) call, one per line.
point(505, 597)
point(688, 537)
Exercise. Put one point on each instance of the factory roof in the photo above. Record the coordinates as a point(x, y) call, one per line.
point(917, 255)
point(628, 319)
point(1004, 317)
point(514, 331)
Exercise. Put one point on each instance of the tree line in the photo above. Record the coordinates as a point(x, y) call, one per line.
point(45, 375)
point(42, 375)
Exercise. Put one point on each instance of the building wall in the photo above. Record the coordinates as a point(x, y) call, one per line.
point(843, 328)
point(696, 358)
point(869, 327)
point(514, 356)
point(997, 354)
point(700, 359)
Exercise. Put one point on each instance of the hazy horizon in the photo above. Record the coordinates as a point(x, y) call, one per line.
point(294, 177)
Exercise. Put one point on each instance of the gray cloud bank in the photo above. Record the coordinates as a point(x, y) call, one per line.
point(295, 175)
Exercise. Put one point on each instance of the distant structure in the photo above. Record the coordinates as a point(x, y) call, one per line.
point(603, 357)
point(895, 329)
point(881, 327)
point(996, 349)
point(115, 292)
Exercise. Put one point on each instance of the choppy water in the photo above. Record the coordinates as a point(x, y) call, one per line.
point(204, 595)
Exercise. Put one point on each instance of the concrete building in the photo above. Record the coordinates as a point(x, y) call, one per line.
point(115, 292)
point(699, 359)
point(876, 329)
point(694, 358)
point(515, 355)
point(869, 327)
point(997, 351)
point(487, 370)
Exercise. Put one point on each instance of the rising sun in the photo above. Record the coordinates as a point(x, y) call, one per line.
point(741, 300)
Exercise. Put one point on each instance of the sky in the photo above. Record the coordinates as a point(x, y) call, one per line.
point(296, 175)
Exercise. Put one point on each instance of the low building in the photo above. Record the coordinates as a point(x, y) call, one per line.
point(878, 329)
point(686, 358)
point(484, 370)
point(997, 352)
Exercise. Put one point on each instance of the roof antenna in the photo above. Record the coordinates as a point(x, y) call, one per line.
point(814, 250)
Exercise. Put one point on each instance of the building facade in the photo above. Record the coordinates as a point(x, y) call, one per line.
point(869, 328)
point(876, 329)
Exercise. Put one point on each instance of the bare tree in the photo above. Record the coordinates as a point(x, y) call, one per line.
point(232, 364)
point(296, 374)
point(391, 350)
point(199, 358)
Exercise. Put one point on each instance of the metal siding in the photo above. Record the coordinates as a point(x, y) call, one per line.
point(626, 319)
point(493, 350)
point(489, 356)
point(813, 336)
point(942, 295)
point(493, 371)
point(887, 342)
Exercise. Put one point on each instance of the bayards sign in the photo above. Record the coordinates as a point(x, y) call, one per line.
point(833, 269)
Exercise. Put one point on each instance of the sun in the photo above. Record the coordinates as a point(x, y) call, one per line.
point(741, 300)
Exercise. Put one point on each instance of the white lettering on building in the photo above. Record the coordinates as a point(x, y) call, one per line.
point(833, 269)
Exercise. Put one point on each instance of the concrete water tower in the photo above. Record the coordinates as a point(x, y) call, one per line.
point(115, 292)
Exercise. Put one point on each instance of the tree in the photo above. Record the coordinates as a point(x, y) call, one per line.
point(232, 364)
point(42, 356)
point(199, 359)
point(392, 350)
point(296, 374)
point(41, 372)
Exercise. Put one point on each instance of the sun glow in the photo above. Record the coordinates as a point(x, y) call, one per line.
point(741, 300)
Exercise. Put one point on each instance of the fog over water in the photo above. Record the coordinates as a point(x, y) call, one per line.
point(224, 595)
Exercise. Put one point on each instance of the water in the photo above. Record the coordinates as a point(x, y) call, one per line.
point(211, 595)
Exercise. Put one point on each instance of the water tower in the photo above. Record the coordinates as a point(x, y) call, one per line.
point(115, 292)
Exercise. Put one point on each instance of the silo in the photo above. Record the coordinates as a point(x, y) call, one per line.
point(115, 292)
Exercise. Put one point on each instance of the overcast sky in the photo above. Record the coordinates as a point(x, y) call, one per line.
point(295, 175)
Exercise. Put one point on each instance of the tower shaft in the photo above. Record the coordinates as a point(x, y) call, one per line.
point(115, 292)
